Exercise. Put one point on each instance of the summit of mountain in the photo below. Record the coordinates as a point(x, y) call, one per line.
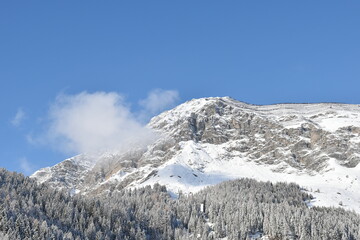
point(206, 141)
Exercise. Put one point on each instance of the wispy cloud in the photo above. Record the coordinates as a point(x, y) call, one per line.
point(26, 166)
point(18, 118)
point(158, 100)
point(100, 121)
point(88, 122)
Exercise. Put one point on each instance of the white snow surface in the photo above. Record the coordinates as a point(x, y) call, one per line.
point(83, 163)
point(199, 165)
point(328, 116)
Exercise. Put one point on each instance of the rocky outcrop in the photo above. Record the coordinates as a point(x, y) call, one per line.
point(299, 136)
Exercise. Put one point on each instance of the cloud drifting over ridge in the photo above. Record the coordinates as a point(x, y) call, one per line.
point(89, 122)
point(101, 121)
point(158, 100)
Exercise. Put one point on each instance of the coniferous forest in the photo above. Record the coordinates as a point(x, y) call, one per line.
point(240, 209)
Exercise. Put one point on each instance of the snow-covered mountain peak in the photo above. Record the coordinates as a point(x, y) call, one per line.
point(209, 140)
point(328, 116)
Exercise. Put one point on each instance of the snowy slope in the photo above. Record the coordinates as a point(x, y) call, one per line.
point(199, 165)
point(210, 140)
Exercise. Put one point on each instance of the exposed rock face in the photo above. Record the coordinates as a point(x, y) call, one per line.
point(300, 137)
point(268, 137)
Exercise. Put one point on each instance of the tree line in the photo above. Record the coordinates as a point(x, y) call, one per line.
point(237, 209)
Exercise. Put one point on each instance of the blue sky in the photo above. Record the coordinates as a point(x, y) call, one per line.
point(261, 52)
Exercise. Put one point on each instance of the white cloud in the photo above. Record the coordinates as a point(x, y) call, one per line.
point(89, 122)
point(158, 100)
point(26, 166)
point(19, 117)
